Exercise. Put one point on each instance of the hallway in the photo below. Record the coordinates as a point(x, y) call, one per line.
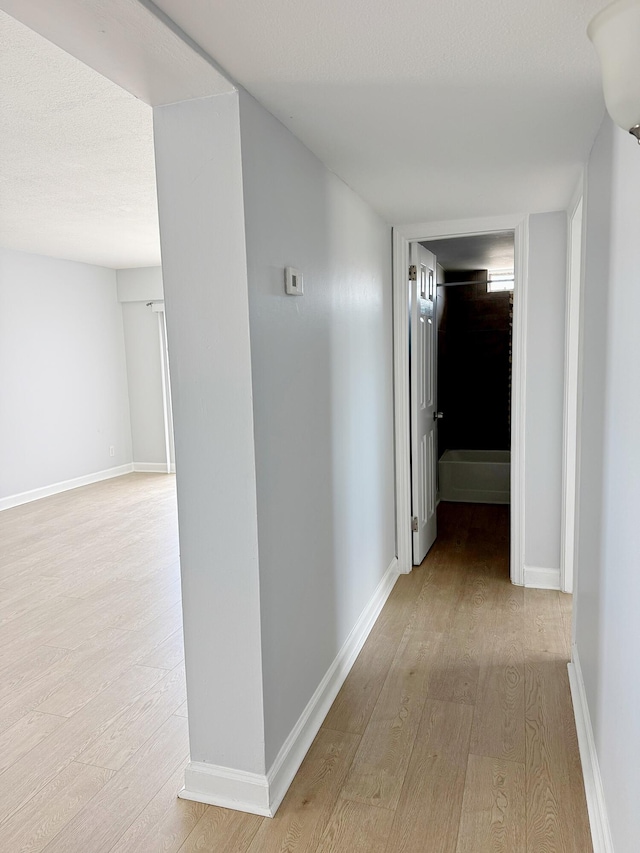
point(452, 734)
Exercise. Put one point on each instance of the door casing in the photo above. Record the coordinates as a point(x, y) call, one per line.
point(572, 386)
point(403, 235)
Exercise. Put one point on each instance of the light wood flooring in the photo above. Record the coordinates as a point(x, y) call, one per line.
point(453, 733)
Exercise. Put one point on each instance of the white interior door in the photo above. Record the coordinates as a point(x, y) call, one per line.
point(422, 276)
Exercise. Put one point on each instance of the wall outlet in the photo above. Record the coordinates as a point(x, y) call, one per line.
point(112, 450)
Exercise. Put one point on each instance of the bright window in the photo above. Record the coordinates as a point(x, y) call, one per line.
point(500, 281)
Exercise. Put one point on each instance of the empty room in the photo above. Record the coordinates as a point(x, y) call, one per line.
point(318, 486)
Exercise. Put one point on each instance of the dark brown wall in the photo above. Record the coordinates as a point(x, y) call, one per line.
point(473, 368)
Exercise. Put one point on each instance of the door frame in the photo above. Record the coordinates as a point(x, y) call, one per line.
point(403, 235)
point(576, 218)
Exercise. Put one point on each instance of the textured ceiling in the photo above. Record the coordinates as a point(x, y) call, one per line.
point(77, 175)
point(430, 110)
point(477, 252)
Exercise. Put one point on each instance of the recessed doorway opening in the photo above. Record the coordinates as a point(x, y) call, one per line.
point(474, 322)
point(459, 423)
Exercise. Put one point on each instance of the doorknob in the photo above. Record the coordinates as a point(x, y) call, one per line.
point(437, 416)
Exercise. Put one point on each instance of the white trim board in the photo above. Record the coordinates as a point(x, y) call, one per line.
point(596, 804)
point(257, 794)
point(402, 236)
point(540, 578)
point(228, 788)
point(572, 384)
point(153, 468)
point(64, 486)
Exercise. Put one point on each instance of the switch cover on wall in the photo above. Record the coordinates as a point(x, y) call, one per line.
point(293, 281)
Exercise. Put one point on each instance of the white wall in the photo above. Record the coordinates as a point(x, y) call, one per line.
point(199, 173)
point(608, 576)
point(595, 343)
point(284, 425)
point(63, 384)
point(545, 389)
point(137, 287)
point(140, 284)
point(323, 409)
point(145, 382)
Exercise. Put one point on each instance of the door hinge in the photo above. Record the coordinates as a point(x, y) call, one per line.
point(414, 524)
point(413, 273)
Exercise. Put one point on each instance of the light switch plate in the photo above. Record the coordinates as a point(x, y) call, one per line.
point(293, 281)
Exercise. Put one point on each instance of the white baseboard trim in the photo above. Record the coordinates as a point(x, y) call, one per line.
point(596, 804)
point(536, 578)
point(153, 468)
point(249, 792)
point(231, 789)
point(64, 486)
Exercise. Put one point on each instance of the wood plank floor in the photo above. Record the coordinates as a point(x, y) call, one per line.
point(453, 733)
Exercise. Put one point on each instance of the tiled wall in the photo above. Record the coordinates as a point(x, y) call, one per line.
point(473, 366)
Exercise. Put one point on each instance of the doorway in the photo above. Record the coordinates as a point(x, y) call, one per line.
point(435, 235)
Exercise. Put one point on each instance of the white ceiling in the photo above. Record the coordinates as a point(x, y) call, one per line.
point(430, 110)
point(477, 252)
point(77, 176)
